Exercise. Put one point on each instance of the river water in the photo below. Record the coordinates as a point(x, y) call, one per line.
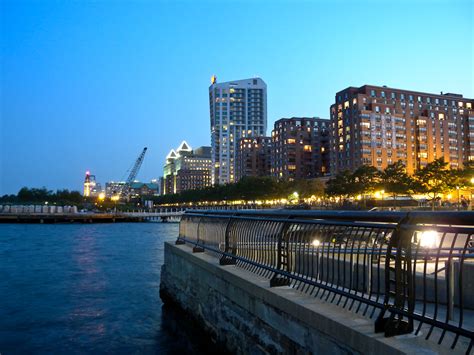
point(76, 288)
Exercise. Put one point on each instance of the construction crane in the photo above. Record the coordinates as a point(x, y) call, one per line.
point(123, 193)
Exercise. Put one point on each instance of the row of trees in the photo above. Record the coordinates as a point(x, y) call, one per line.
point(41, 195)
point(248, 188)
point(433, 180)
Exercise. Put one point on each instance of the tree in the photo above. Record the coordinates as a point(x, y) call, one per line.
point(395, 179)
point(367, 179)
point(342, 185)
point(434, 179)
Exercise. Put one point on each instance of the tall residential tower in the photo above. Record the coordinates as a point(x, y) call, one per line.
point(238, 109)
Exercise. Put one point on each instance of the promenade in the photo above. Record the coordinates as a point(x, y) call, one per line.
point(314, 281)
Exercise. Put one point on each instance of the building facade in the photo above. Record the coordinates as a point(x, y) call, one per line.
point(114, 188)
point(186, 169)
point(378, 126)
point(238, 109)
point(142, 189)
point(253, 157)
point(300, 148)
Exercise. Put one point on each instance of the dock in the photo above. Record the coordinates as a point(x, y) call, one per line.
point(129, 217)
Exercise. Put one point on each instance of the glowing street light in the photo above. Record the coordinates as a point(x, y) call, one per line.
point(316, 243)
point(427, 239)
point(101, 196)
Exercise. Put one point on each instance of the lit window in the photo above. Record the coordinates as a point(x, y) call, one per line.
point(441, 116)
point(346, 104)
point(291, 141)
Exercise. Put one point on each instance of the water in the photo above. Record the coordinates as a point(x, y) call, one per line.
point(87, 288)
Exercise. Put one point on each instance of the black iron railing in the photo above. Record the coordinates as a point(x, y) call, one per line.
point(412, 272)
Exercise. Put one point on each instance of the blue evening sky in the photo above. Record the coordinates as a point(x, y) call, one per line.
point(87, 84)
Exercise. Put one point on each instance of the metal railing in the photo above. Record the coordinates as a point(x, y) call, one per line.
point(412, 272)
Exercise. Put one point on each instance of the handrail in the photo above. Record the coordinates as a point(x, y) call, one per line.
point(407, 266)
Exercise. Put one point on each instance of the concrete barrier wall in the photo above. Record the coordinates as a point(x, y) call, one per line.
point(240, 311)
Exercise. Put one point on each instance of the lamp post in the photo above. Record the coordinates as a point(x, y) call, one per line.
point(459, 200)
point(470, 201)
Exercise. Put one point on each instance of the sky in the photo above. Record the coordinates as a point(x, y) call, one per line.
point(85, 85)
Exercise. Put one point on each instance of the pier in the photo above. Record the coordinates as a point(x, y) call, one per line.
point(163, 215)
point(321, 282)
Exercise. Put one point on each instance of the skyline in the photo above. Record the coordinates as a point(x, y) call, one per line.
point(69, 65)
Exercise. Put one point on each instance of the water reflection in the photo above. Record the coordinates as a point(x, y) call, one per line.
point(87, 289)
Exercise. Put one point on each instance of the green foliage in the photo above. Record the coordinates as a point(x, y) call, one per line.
point(341, 185)
point(395, 180)
point(435, 178)
point(249, 189)
point(41, 195)
point(366, 179)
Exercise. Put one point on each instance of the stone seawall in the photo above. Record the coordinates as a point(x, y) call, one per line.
point(240, 311)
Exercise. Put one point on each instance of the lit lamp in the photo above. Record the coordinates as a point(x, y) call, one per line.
point(427, 239)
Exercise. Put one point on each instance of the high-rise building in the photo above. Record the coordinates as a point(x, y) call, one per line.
point(253, 157)
point(89, 185)
point(300, 148)
point(378, 126)
point(186, 169)
point(238, 109)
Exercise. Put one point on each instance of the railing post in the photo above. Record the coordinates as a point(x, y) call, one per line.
point(399, 280)
point(282, 257)
point(225, 259)
point(450, 286)
point(180, 241)
point(197, 248)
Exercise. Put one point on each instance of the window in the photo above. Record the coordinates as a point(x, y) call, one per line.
point(372, 93)
point(377, 109)
point(382, 94)
point(291, 141)
point(394, 96)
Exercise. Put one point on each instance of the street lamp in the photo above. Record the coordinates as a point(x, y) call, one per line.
point(428, 239)
point(471, 203)
point(459, 201)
